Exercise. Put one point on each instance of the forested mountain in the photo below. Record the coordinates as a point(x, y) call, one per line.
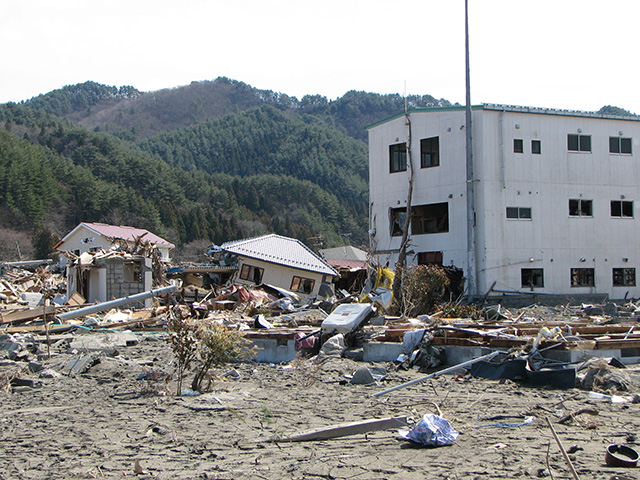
point(211, 161)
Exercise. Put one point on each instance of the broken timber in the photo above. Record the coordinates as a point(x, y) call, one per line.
point(346, 429)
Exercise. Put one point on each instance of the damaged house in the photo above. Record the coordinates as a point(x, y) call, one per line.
point(101, 271)
point(281, 262)
point(552, 209)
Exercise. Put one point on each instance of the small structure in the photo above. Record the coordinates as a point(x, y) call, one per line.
point(93, 237)
point(282, 262)
point(105, 276)
point(351, 264)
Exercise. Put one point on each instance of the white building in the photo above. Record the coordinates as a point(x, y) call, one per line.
point(554, 197)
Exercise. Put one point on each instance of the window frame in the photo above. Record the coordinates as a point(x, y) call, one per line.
point(397, 218)
point(397, 157)
point(534, 273)
point(518, 145)
point(537, 150)
point(579, 209)
point(423, 217)
point(581, 142)
point(298, 282)
point(622, 203)
point(583, 277)
point(623, 277)
point(519, 213)
point(434, 157)
point(250, 274)
point(619, 145)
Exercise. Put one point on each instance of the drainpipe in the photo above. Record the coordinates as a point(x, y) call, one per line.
point(502, 167)
point(100, 307)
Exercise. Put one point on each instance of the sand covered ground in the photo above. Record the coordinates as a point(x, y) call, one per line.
point(109, 423)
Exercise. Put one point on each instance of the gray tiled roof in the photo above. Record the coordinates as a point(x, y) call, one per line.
point(280, 250)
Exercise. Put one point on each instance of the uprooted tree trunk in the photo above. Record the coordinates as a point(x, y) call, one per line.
point(402, 255)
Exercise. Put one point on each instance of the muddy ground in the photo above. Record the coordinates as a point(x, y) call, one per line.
point(108, 423)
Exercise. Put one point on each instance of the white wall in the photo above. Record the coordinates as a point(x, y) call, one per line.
point(555, 241)
point(279, 275)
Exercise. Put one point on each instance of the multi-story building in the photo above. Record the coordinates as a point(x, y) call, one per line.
point(553, 209)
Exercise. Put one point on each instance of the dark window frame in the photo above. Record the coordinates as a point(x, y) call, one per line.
point(583, 208)
point(622, 208)
point(583, 277)
point(425, 219)
point(577, 142)
point(532, 278)
point(536, 147)
point(252, 273)
point(430, 258)
point(518, 213)
point(397, 218)
point(302, 284)
point(624, 277)
point(397, 157)
point(430, 152)
point(621, 145)
point(518, 145)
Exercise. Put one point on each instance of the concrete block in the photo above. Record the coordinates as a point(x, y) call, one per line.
point(381, 351)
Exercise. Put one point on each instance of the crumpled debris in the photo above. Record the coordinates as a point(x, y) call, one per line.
point(432, 430)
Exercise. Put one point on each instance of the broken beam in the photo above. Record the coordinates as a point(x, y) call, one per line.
point(346, 429)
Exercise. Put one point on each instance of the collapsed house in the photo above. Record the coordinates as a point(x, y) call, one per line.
point(351, 264)
point(281, 262)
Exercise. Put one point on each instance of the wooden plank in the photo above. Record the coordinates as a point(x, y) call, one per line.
point(346, 429)
point(26, 315)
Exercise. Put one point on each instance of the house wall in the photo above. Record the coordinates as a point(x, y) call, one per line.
point(84, 240)
point(279, 275)
point(552, 239)
point(119, 284)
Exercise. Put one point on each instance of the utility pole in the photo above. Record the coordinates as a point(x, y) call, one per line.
point(471, 214)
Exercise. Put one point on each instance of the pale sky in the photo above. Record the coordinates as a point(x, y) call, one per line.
point(568, 54)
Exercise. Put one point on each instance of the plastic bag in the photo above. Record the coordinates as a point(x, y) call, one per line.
point(432, 430)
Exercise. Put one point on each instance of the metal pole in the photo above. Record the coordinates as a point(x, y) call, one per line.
point(115, 303)
point(471, 220)
point(441, 372)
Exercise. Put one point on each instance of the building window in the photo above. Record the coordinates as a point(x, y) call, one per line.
point(536, 147)
point(429, 152)
point(520, 213)
point(251, 273)
point(430, 258)
point(132, 272)
point(624, 277)
point(302, 285)
point(620, 145)
point(397, 157)
point(432, 218)
point(579, 143)
point(580, 208)
point(397, 217)
point(518, 145)
point(532, 277)
point(582, 277)
point(622, 208)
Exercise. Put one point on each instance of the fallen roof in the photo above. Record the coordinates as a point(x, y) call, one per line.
point(121, 232)
point(347, 252)
point(280, 250)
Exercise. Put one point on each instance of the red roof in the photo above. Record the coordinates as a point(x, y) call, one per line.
point(126, 233)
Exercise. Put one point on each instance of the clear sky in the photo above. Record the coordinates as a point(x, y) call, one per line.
point(569, 54)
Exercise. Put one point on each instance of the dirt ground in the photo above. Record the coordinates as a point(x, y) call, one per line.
point(108, 423)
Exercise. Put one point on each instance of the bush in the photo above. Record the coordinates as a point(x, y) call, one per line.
point(423, 288)
point(217, 346)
